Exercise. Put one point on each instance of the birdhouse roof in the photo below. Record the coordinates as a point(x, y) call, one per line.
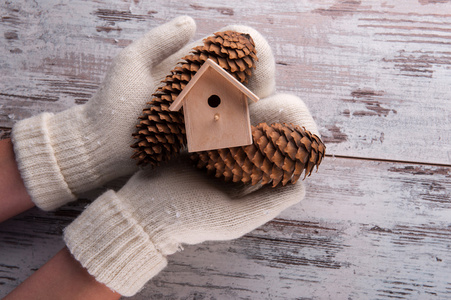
point(177, 104)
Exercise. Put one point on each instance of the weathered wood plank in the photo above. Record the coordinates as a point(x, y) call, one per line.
point(376, 76)
point(367, 230)
point(373, 78)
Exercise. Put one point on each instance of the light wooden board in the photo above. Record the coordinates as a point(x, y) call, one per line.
point(379, 231)
point(376, 75)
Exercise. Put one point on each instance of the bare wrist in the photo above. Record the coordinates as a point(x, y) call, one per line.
point(14, 197)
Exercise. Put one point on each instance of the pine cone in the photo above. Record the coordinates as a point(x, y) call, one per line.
point(160, 133)
point(279, 154)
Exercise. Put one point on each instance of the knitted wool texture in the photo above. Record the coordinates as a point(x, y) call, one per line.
point(62, 155)
point(123, 239)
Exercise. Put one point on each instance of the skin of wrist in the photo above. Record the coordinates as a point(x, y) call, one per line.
point(14, 197)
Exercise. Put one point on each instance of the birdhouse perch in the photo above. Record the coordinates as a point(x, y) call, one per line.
point(216, 110)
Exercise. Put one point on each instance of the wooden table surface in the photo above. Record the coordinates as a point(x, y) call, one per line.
point(376, 221)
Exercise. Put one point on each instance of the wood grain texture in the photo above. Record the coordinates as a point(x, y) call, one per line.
point(376, 75)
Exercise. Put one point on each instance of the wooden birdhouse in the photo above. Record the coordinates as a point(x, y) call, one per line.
point(216, 110)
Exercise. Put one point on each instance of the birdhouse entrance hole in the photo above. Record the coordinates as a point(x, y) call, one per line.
point(214, 101)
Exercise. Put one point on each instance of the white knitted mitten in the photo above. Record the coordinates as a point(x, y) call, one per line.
point(123, 237)
point(62, 155)
point(283, 108)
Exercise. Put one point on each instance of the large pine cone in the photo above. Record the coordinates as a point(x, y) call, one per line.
point(160, 133)
point(279, 154)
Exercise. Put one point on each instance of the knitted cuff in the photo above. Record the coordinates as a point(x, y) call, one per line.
point(107, 240)
point(84, 158)
point(37, 163)
point(62, 155)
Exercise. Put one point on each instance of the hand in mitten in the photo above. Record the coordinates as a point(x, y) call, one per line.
point(123, 238)
point(62, 155)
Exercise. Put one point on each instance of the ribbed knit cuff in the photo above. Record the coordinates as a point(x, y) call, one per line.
point(63, 155)
point(37, 163)
point(107, 240)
